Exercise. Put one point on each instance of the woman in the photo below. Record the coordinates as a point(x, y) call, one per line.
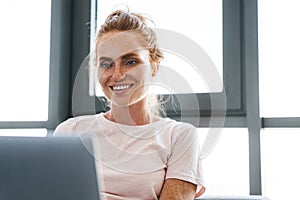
point(140, 154)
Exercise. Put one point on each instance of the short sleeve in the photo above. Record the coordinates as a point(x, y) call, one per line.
point(185, 162)
point(66, 128)
point(76, 126)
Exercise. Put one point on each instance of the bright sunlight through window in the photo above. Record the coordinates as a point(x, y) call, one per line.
point(279, 64)
point(226, 168)
point(37, 132)
point(24, 51)
point(280, 163)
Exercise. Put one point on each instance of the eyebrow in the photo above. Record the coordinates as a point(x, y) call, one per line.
point(125, 56)
point(105, 58)
point(128, 55)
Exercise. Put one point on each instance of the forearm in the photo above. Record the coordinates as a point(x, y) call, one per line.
point(175, 189)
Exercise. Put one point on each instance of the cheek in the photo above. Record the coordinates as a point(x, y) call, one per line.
point(141, 73)
point(103, 76)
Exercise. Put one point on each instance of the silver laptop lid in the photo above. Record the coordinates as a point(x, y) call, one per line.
point(51, 168)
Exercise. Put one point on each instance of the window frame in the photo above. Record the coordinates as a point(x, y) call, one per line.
point(70, 44)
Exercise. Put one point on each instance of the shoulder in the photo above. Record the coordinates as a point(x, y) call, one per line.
point(177, 124)
point(179, 129)
point(75, 125)
point(180, 134)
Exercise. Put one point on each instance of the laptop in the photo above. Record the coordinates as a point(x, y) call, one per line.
point(50, 168)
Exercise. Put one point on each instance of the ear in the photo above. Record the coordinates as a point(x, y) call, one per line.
point(154, 66)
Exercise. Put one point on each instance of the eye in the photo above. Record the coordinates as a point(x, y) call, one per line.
point(130, 62)
point(105, 64)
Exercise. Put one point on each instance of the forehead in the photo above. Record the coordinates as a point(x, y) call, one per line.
point(116, 44)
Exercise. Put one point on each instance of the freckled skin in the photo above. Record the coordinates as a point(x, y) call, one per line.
point(113, 46)
point(175, 189)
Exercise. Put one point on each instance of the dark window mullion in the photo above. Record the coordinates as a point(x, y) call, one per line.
point(250, 65)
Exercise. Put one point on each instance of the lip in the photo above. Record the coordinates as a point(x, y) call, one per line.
point(120, 88)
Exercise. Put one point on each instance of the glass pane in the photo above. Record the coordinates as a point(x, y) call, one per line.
point(199, 22)
point(280, 163)
point(279, 64)
point(226, 169)
point(24, 52)
point(38, 132)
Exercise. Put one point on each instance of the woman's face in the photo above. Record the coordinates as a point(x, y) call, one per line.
point(124, 69)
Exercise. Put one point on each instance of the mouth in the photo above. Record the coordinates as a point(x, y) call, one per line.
point(121, 87)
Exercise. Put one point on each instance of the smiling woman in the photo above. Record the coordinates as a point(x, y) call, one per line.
point(123, 71)
point(131, 47)
point(140, 154)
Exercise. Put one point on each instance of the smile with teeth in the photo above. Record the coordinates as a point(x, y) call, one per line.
point(121, 87)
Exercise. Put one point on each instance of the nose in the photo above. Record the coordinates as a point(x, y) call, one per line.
point(118, 75)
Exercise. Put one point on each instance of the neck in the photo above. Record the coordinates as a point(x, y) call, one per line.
point(135, 114)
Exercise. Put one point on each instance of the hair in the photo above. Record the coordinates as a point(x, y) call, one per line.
point(121, 20)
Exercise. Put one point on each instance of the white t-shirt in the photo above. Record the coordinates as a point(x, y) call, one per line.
point(132, 162)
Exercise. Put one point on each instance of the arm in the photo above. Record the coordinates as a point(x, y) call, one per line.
point(175, 189)
point(184, 168)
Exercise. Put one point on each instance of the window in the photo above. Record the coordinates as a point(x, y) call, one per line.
point(280, 162)
point(279, 63)
point(38, 132)
point(278, 44)
point(25, 53)
point(233, 51)
point(226, 168)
